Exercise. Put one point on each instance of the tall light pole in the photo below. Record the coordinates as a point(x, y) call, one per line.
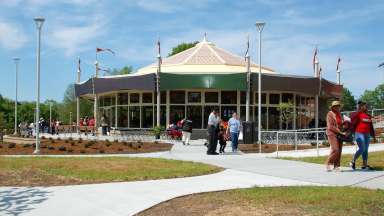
point(39, 24)
point(50, 117)
point(317, 95)
point(248, 59)
point(17, 60)
point(78, 98)
point(158, 85)
point(260, 26)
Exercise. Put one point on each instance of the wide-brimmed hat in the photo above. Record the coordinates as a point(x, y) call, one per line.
point(361, 103)
point(335, 103)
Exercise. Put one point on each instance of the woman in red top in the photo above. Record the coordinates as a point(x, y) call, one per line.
point(363, 131)
point(334, 124)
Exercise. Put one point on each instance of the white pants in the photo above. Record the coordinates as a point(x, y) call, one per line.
point(186, 137)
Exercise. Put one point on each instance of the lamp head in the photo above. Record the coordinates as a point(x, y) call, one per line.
point(39, 22)
point(16, 59)
point(260, 25)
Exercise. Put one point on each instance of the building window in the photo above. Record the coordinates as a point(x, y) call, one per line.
point(163, 97)
point(211, 97)
point(243, 114)
point(287, 97)
point(263, 98)
point(122, 98)
point(194, 97)
point(263, 117)
point(134, 117)
point(228, 97)
point(122, 113)
point(227, 111)
point(146, 116)
point(177, 113)
point(273, 118)
point(243, 98)
point(134, 98)
point(147, 97)
point(177, 97)
point(194, 114)
point(274, 98)
point(163, 117)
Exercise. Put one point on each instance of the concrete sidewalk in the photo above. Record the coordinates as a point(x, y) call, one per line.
point(127, 198)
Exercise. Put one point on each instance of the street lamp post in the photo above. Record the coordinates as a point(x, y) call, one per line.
point(260, 27)
point(39, 24)
point(78, 98)
point(16, 90)
point(248, 59)
point(158, 85)
point(50, 117)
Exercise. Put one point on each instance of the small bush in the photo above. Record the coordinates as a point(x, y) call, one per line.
point(53, 141)
point(119, 149)
point(108, 144)
point(27, 145)
point(125, 143)
point(139, 146)
point(72, 143)
point(101, 151)
point(107, 141)
point(116, 141)
point(156, 142)
point(70, 138)
point(34, 145)
point(11, 145)
point(51, 148)
point(58, 138)
point(82, 151)
point(87, 145)
point(70, 150)
point(43, 137)
point(62, 148)
point(66, 141)
point(80, 140)
point(43, 146)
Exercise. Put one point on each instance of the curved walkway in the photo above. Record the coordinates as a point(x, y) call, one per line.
point(128, 198)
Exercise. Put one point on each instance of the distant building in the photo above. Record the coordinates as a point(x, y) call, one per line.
point(199, 79)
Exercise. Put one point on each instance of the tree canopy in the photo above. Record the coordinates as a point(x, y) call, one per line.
point(181, 47)
point(122, 71)
point(348, 100)
point(375, 97)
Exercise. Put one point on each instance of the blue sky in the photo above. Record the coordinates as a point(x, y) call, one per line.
point(349, 29)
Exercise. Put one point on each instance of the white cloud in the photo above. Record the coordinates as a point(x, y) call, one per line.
point(169, 6)
point(11, 36)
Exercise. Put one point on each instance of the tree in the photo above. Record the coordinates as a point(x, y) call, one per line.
point(348, 100)
point(181, 47)
point(124, 70)
point(286, 110)
point(374, 98)
point(68, 106)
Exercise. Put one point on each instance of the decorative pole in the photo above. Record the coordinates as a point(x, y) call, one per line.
point(158, 84)
point(260, 27)
point(39, 24)
point(50, 116)
point(317, 95)
point(338, 71)
point(95, 94)
point(78, 98)
point(16, 91)
point(248, 60)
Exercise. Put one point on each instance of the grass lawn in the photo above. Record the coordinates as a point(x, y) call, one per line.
point(45, 171)
point(328, 201)
point(375, 160)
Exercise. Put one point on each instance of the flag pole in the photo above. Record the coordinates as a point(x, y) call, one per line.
point(158, 85)
point(78, 98)
point(248, 60)
point(94, 92)
point(317, 95)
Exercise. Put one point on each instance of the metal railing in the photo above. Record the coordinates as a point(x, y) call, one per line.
point(312, 137)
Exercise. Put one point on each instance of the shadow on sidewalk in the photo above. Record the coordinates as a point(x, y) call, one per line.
point(16, 201)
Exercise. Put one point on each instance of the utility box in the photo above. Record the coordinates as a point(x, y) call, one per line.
point(248, 132)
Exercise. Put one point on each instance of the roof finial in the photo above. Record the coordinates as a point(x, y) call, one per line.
point(205, 37)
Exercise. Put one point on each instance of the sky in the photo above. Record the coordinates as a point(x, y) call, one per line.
point(350, 29)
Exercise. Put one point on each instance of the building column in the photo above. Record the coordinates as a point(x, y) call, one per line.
point(167, 112)
point(116, 117)
point(294, 112)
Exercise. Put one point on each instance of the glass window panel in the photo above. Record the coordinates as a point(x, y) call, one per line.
point(263, 98)
point(274, 98)
point(211, 97)
point(163, 97)
point(101, 101)
point(243, 98)
point(134, 98)
point(147, 97)
point(286, 97)
point(122, 113)
point(263, 117)
point(194, 97)
point(107, 101)
point(163, 118)
point(122, 98)
point(207, 111)
point(273, 118)
point(227, 111)
point(177, 113)
point(177, 97)
point(194, 114)
point(228, 97)
point(147, 116)
point(134, 117)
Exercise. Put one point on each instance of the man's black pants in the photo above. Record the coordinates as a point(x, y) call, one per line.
point(212, 139)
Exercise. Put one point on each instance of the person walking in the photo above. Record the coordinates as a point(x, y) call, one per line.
point(213, 122)
point(104, 124)
point(363, 127)
point(334, 124)
point(186, 128)
point(234, 130)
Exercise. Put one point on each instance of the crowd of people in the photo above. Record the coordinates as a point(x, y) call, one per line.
point(358, 127)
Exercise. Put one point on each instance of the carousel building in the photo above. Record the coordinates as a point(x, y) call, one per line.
point(199, 79)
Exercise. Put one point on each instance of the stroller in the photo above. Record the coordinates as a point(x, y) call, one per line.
point(174, 131)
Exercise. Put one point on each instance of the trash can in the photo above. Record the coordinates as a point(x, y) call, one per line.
point(255, 132)
point(248, 132)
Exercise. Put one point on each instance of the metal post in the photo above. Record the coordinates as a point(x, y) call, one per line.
point(50, 117)
point(16, 91)
point(317, 142)
point(78, 99)
point(338, 76)
point(317, 95)
point(248, 59)
point(260, 26)
point(296, 140)
point(39, 23)
point(158, 86)
point(277, 144)
point(96, 96)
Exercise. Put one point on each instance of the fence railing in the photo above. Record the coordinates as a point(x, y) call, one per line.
point(313, 137)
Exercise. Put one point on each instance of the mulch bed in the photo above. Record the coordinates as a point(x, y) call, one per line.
point(269, 148)
point(76, 147)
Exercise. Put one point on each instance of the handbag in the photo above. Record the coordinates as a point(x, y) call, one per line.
point(345, 138)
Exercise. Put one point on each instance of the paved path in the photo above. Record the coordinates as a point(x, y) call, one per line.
point(127, 198)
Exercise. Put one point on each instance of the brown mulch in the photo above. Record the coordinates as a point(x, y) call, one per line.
point(63, 147)
point(269, 148)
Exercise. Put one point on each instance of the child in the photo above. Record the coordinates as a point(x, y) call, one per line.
point(222, 138)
